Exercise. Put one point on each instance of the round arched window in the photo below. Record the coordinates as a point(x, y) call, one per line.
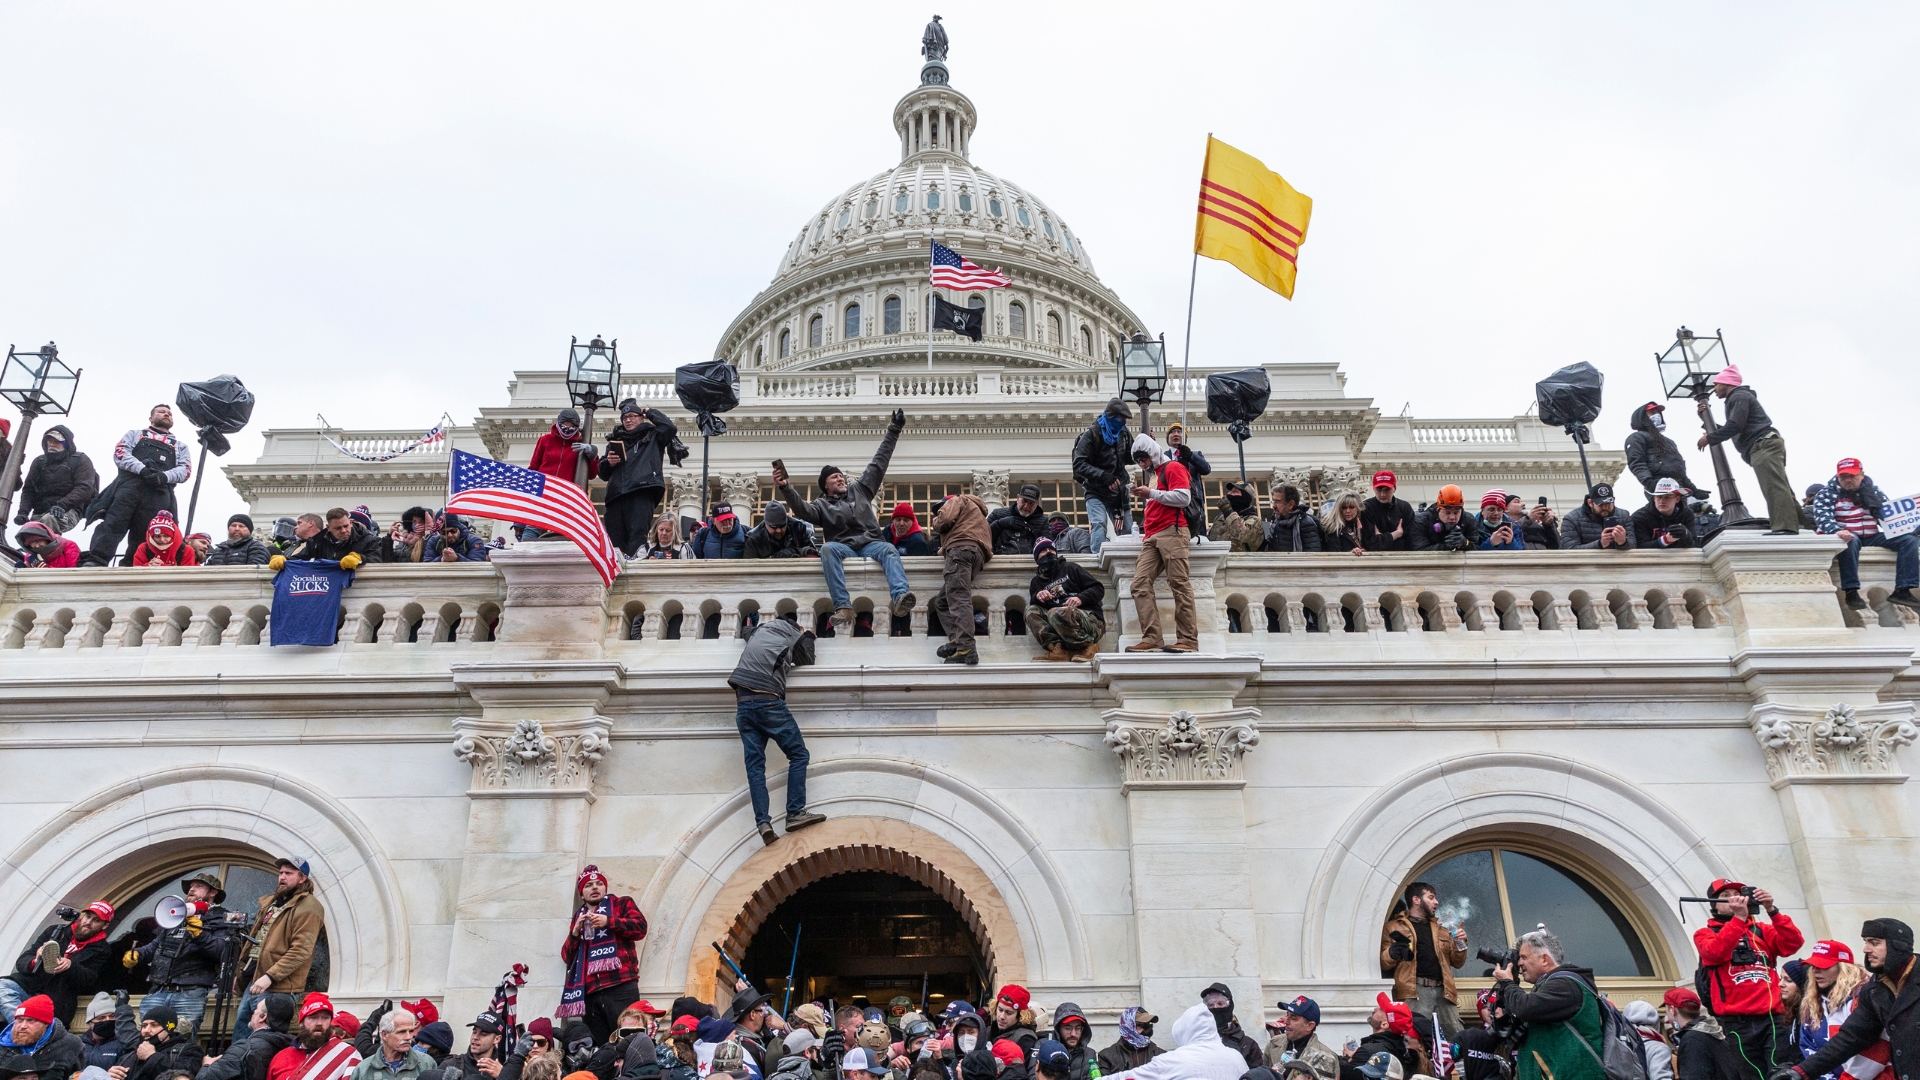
point(890, 315)
point(1498, 893)
point(1086, 341)
point(786, 343)
point(1017, 319)
point(851, 327)
point(976, 302)
point(245, 874)
point(816, 332)
point(1053, 328)
point(756, 356)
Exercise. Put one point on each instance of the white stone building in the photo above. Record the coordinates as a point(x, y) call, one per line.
point(1574, 738)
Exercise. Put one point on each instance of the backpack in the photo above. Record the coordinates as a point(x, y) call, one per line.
point(1622, 1056)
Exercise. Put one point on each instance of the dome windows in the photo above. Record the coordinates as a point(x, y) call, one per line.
point(1068, 238)
point(890, 315)
point(1086, 341)
point(1017, 320)
point(933, 198)
point(976, 302)
point(965, 201)
point(816, 332)
point(1047, 224)
point(786, 343)
point(994, 207)
point(1053, 328)
point(1026, 219)
point(851, 325)
point(873, 208)
point(819, 229)
point(902, 203)
point(846, 217)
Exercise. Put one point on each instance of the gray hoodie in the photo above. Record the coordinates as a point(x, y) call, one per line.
point(772, 647)
point(848, 518)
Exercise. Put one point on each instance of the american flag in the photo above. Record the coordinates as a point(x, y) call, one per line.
point(950, 271)
point(495, 489)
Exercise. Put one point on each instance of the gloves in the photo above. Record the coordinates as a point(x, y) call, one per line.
point(1790, 1072)
point(22, 519)
point(899, 420)
point(277, 563)
point(524, 1047)
point(1678, 534)
point(1399, 950)
point(1456, 540)
point(119, 997)
point(834, 1045)
point(350, 561)
point(582, 448)
point(130, 960)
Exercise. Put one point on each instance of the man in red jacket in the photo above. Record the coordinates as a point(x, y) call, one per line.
point(1167, 489)
point(1739, 952)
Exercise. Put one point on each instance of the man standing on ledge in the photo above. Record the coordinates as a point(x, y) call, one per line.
point(1167, 489)
point(1760, 446)
point(844, 515)
point(603, 973)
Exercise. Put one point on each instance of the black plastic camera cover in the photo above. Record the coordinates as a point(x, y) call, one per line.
point(707, 388)
point(217, 408)
point(1237, 395)
point(1570, 395)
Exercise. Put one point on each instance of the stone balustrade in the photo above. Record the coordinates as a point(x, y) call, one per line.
point(1247, 602)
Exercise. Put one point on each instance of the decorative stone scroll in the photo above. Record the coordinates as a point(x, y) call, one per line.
point(991, 486)
point(530, 760)
point(742, 491)
point(1184, 749)
point(1844, 744)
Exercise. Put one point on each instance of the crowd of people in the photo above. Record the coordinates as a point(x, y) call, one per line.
point(1746, 1015)
point(1113, 467)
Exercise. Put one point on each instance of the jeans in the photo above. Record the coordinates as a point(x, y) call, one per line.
point(1906, 559)
point(11, 995)
point(759, 719)
point(1099, 514)
point(189, 1003)
point(242, 1013)
point(833, 554)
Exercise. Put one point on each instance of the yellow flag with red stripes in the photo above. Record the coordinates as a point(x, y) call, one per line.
point(1250, 217)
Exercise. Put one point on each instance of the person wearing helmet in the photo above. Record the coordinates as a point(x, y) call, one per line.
point(1445, 525)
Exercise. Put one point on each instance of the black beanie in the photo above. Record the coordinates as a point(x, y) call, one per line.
point(1892, 931)
point(242, 519)
point(826, 471)
point(280, 1009)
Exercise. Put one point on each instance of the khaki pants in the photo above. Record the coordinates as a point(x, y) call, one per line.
point(1165, 550)
point(1768, 457)
point(1432, 1001)
point(955, 605)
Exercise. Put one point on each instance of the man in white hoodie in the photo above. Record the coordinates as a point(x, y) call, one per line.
point(1166, 488)
point(1199, 1055)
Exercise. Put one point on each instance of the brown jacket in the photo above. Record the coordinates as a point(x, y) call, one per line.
point(286, 947)
point(1402, 971)
point(964, 517)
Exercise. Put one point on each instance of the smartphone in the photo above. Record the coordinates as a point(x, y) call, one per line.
point(780, 464)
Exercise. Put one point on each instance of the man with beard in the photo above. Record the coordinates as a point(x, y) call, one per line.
point(283, 937)
point(315, 1053)
point(63, 961)
point(1883, 1010)
point(163, 1048)
point(267, 1035)
point(184, 961)
point(152, 461)
point(1219, 1001)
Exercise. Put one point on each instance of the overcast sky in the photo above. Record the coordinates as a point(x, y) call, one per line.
point(378, 212)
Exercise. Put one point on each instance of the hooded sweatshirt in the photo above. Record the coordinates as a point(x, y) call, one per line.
point(1198, 1053)
point(1170, 494)
point(915, 541)
point(177, 553)
point(1230, 1033)
point(554, 455)
point(469, 547)
point(1651, 454)
point(65, 480)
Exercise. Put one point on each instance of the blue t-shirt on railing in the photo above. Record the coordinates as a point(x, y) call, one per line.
point(306, 602)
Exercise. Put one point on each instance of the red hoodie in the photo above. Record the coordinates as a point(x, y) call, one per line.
point(555, 455)
point(1746, 989)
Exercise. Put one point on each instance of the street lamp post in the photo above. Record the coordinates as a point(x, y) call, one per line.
point(1143, 372)
point(1687, 369)
point(38, 383)
point(593, 381)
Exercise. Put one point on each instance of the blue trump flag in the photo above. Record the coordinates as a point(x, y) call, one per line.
point(306, 602)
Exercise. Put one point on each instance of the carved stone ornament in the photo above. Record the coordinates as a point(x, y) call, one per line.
point(1845, 744)
point(742, 491)
point(528, 759)
point(991, 486)
point(1183, 750)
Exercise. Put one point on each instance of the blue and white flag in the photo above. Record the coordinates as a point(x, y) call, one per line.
point(306, 602)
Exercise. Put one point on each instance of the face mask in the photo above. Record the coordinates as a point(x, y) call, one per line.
point(1658, 420)
point(966, 1043)
point(1146, 1030)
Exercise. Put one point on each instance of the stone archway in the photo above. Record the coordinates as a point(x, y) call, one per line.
point(847, 845)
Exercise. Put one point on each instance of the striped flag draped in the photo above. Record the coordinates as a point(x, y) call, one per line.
point(1250, 217)
point(495, 489)
point(952, 271)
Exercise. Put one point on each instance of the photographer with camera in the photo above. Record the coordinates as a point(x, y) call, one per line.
point(1737, 954)
point(1557, 1029)
point(184, 961)
point(1420, 956)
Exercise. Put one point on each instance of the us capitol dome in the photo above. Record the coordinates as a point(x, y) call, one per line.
point(852, 289)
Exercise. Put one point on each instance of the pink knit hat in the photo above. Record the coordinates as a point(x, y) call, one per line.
point(1728, 376)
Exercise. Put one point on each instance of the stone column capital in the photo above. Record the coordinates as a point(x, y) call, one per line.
point(991, 486)
point(531, 759)
point(1183, 749)
point(1843, 744)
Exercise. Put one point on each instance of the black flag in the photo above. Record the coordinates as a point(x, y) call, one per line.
point(969, 321)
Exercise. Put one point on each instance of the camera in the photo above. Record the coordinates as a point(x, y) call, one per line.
point(1498, 958)
point(66, 913)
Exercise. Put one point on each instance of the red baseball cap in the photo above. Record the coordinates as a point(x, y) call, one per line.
point(1826, 954)
point(1383, 478)
point(1849, 465)
point(1720, 885)
point(103, 909)
point(648, 1007)
point(1654, 407)
point(1682, 998)
point(686, 1023)
point(315, 1002)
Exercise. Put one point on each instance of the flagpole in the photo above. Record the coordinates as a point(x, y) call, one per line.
point(930, 296)
point(1186, 364)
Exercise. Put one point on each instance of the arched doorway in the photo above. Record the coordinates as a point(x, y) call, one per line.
point(867, 936)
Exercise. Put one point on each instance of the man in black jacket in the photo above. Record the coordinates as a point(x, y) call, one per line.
point(1386, 522)
point(635, 477)
point(1759, 443)
point(779, 536)
point(1100, 458)
point(63, 961)
point(1887, 1007)
point(60, 484)
point(485, 1057)
point(267, 1035)
point(164, 1047)
point(1445, 525)
point(1293, 528)
point(1665, 522)
point(1700, 1047)
point(240, 548)
point(1651, 455)
point(1219, 1001)
point(1066, 617)
point(183, 962)
point(1015, 528)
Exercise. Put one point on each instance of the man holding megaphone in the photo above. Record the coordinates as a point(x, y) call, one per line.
point(184, 960)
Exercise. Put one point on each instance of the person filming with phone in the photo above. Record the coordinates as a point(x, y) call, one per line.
point(1738, 949)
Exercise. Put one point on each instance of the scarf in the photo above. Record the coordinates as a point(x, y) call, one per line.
point(1111, 428)
point(6, 1039)
point(506, 997)
point(1129, 1031)
point(598, 951)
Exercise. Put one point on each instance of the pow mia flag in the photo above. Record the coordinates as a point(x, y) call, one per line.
point(969, 321)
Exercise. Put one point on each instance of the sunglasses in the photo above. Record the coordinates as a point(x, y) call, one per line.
point(540, 1043)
